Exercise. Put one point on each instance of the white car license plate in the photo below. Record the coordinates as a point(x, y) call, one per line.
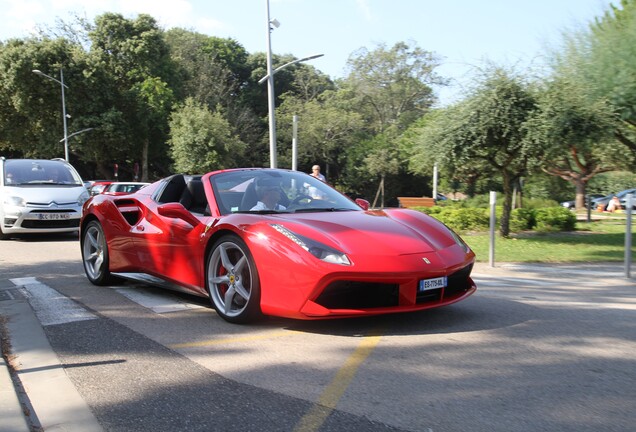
point(53, 216)
point(434, 283)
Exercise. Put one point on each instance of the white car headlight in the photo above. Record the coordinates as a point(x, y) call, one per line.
point(84, 196)
point(319, 250)
point(16, 201)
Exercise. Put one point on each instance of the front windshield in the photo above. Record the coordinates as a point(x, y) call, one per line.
point(276, 191)
point(22, 172)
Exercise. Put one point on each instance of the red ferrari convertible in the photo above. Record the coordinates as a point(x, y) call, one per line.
point(274, 242)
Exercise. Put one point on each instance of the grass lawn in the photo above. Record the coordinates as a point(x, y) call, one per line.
point(602, 240)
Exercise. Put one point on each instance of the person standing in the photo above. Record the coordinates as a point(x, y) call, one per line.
point(315, 172)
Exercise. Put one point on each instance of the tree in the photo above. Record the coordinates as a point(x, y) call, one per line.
point(392, 86)
point(426, 143)
point(382, 160)
point(575, 135)
point(132, 59)
point(603, 60)
point(489, 127)
point(325, 130)
point(30, 106)
point(202, 140)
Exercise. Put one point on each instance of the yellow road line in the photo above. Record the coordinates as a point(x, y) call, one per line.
point(329, 398)
point(233, 339)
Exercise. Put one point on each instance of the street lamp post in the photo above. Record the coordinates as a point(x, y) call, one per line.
point(61, 82)
point(270, 86)
point(76, 133)
point(311, 57)
point(270, 92)
point(272, 123)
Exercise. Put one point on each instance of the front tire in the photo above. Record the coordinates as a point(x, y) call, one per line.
point(233, 282)
point(95, 255)
point(3, 236)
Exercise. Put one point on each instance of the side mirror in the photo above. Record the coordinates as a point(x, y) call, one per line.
point(363, 203)
point(178, 211)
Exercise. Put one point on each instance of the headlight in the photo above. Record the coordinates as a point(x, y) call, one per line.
point(459, 240)
point(15, 201)
point(83, 198)
point(319, 250)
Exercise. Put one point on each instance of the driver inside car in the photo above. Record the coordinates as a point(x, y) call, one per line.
point(268, 192)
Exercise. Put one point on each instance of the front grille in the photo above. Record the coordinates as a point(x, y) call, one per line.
point(458, 284)
point(429, 296)
point(47, 224)
point(53, 211)
point(369, 295)
point(359, 295)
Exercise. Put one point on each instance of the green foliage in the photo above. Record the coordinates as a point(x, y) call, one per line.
point(460, 219)
point(201, 140)
point(325, 131)
point(612, 182)
point(139, 88)
point(555, 219)
point(392, 85)
point(522, 219)
point(485, 134)
point(473, 216)
point(601, 59)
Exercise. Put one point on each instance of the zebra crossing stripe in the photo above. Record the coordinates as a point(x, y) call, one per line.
point(49, 305)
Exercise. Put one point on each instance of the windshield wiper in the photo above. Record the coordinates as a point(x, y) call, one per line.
point(321, 209)
point(262, 212)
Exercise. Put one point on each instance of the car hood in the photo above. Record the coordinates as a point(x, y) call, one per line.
point(394, 231)
point(46, 194)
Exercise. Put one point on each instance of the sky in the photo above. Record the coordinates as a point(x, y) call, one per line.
point(463, 33)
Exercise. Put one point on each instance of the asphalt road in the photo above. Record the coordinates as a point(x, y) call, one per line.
point(537, 348)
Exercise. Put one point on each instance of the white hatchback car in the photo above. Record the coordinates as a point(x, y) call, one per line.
point(39, 196)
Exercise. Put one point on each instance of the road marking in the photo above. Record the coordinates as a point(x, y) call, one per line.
point(49, 305)
point(158, 302)
point(329, 398)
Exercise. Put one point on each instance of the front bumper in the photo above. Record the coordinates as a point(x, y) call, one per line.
point(24, 220)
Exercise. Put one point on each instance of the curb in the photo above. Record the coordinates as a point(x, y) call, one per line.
point(56, 403)
point(13, 418)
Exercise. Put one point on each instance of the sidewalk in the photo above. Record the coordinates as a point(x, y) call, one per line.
point(50, 401)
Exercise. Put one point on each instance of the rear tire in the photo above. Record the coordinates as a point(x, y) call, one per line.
point(95, 255)
point(232, 281)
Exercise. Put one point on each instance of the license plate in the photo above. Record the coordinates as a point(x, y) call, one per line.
point(53, 216)
point(434, 283)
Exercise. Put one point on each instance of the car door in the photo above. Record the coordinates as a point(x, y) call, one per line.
point(170, 247)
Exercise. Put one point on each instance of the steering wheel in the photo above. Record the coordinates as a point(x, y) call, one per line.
point(298, 201)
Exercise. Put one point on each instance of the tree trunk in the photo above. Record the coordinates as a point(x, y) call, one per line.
point(508, 181)
point(580, 186)
point(144, 161)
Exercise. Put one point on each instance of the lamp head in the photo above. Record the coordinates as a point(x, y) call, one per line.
point(275, 23)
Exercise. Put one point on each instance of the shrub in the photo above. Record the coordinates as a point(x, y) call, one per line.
point(555, 219)
point(522, 219)
point(463, 219)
